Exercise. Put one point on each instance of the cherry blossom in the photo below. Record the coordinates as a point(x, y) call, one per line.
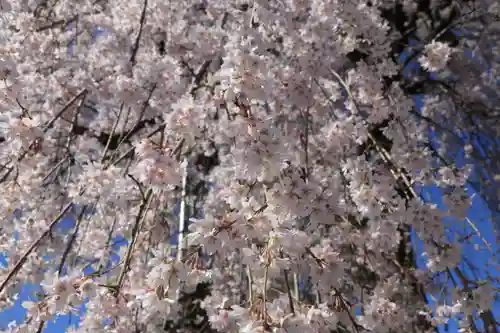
point(284, 135)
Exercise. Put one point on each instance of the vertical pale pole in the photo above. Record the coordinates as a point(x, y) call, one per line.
point(182, 240)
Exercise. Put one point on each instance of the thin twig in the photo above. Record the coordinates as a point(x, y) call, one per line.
point(113, 130)
point(40, 326)
point(135, 232)
point(44, 130)
point(51, 171)
point(131, 149)
point(64, 109)
point(143, 195)
point(288, 289)
point(141, 115)
point(138, 38)
point(33, 246)
point(71, 240)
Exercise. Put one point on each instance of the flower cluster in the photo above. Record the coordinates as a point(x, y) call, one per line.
point(437, 55)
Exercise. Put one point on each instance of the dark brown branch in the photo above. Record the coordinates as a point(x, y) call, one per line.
point(137, 40)
point(71, 240)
